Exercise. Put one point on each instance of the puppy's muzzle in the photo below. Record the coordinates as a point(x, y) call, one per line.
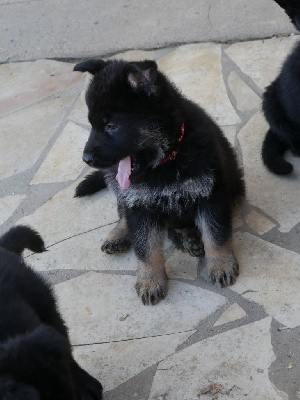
point(88, 158)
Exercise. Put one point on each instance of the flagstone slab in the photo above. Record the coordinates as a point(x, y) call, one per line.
point(269, 276)
point(259, 223)
point(230, 133)
point(197, 71)
point(115, 363)
point(64, 162)
point(8, 205)
point(234, 363)
point(24, 135)
point(83, 252)
point(276, 196)
point(233, 313)
point(134, 55)
point(246, 99)
point(117, 313)
point(26, 83)
point(79, 113)
point(182, 265)
point(64, 216)
point(262, 60)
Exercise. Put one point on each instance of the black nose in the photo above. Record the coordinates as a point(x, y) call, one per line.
point(88, 158)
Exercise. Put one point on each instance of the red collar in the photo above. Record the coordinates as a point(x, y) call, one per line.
point(173, 154)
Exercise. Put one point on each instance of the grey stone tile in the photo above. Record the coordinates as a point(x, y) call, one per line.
point(64, 162)
point(232, 313)
point(262, 59)
point(23, 84)
point(276, 196)
point(246, 99)
point(116, 313)
point(258, 222)
point(196, 70)
point(25, 134)
point(8, 205)
point(236, 364)
point(64, 216)
point(83, 252)
point(79, 113)
point(182, 265)
point(116, 362)
point(134, 55)
point(270, 277)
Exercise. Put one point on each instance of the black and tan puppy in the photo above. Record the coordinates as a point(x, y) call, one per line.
point(36, 362)
point(281, 105)
point(169, 165)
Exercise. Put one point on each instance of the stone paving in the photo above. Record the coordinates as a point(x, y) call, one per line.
point(201, 342)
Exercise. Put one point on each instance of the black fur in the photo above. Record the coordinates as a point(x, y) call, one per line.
point(135, 111)
point(91, 184)
point(281, 106)
point(36, 362)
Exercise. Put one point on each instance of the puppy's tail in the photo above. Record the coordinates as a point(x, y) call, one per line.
point(91, 184)
point(22, 237)
point(272, 154)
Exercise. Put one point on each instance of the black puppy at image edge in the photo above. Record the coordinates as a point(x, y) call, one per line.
point(169, 165)
point(281, 105)
point(36, 361)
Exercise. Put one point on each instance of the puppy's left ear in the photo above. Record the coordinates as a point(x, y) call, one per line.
point(141, 76)
point(91, 66)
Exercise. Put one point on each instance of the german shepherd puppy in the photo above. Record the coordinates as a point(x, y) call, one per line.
point(36, 362)
point(169, 165)
point(281, 105)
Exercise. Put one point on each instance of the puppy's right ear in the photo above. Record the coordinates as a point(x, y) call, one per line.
point(91, 66)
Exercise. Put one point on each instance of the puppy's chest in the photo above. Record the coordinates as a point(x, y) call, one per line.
point(175, 197)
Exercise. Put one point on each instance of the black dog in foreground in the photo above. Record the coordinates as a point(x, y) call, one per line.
point(169, 165)
point(36, 362)
point(281, 105)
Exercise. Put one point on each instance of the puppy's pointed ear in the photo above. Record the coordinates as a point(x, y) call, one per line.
point(141, 77)
point(91, 66)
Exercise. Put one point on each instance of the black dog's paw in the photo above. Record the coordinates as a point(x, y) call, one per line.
point(224, 273)
point(152, 289)
point(116, 246)
point(188, 240)
point(91, 184)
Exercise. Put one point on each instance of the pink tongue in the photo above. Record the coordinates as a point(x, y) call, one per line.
point(124, 172)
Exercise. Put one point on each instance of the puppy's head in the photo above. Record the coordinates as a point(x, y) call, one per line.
point(130, 111)
point(36, 366)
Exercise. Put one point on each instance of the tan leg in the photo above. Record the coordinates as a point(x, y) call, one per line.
point(118, 239)
point(152, 284)
point(221, 262)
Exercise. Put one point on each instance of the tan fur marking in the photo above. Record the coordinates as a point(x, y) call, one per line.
point(151, 282)
point(220, 259)
point(120, 231)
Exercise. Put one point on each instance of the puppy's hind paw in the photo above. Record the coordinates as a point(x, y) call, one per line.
point(116, 246)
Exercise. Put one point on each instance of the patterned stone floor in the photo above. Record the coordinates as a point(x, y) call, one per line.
point(201, 342)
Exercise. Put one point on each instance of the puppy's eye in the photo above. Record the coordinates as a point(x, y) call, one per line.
point(111, 128)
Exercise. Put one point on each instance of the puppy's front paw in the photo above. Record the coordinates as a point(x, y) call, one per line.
point(152, 289)
point(223, 273)
point(116, 246)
